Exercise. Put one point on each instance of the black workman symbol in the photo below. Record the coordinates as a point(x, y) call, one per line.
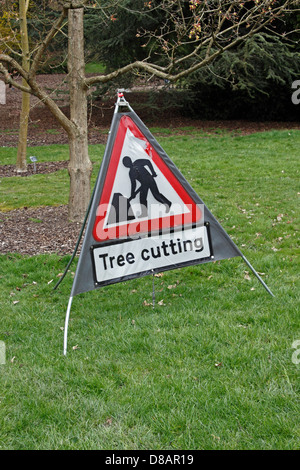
point(142, 171)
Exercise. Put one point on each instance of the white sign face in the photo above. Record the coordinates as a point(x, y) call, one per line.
point(140, 191)
point(116, 261)
point(136, 149)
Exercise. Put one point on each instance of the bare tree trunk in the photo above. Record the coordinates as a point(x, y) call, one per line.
point(80, 167)
point(21, 164)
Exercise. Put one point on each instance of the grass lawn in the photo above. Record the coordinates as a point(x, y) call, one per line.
point(210, 367)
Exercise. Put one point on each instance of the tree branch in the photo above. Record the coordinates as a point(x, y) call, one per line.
point(9, 80)
point(41, 49)
point(6, 59)
point(164, 72)
point(65, 122)
point(158, 71)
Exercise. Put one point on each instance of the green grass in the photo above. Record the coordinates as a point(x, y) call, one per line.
point(8, 155)
point(40, 190)
point(95, 67)
point(211, 368)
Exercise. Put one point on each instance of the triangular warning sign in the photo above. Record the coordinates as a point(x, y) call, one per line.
point(144, 217)
point(141, 194)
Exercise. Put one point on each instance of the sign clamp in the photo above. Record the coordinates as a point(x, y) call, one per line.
point(121, 101)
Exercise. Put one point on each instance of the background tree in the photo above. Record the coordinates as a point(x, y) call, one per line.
point(118, 44)
point(24, 115)
point(189, 35)
point(251, 81)
point(15, 40)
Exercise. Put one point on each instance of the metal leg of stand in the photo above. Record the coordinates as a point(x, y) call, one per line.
point(258, 276)
point(77, 243)
point(66, 325)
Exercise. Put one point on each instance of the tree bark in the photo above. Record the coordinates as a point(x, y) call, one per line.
point(21, 164)
point(80, 166)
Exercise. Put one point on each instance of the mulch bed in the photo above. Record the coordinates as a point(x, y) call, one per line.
point(32, 231)
point(40, 168)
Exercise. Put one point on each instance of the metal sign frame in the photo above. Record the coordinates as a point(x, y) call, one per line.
point(218, 244)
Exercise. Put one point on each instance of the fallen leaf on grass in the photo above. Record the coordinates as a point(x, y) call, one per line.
point(108, 421)
point(172, 286)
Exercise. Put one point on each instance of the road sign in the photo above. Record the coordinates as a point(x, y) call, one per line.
point(144, 217)
point(141, 194)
